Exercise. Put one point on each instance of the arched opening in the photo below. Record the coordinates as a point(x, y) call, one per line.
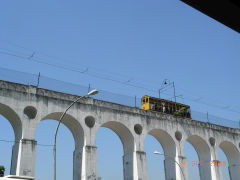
point(233, 157)
point(12, 149)
point(155, 164)
point(6, 143)
point(198, 157)
point(115, 158)
point(69, 147)
point(164, 166)
point(191, 157)
point(224, 164)
point(110, 152)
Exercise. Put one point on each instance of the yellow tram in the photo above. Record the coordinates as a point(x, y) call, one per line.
point(165, 106)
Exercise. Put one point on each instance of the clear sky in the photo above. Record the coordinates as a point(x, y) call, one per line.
point(136, 43)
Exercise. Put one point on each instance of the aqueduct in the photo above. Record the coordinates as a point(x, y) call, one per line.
point(25, 106)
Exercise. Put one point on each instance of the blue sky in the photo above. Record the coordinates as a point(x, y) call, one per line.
point(138, 43)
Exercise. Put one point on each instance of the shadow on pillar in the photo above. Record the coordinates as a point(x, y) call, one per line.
point(128, 166)
point(14, 159)
point(77, 164)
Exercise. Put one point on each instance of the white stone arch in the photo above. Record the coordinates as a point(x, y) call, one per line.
point(78, 134)
point(166, 140)
point(16, 124)
point(127, 140)
point(233, 156)
point(72, 124)
point(169, 147)
point(203, 151)
point(14, 120)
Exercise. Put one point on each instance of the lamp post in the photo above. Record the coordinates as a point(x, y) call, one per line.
point(93, 92)
point(158, 153)
point(165, 84)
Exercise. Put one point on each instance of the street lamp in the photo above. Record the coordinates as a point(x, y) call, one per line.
point(93, 92)
point(158, 153)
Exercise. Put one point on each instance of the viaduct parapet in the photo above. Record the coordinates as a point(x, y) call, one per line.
point(25, 106)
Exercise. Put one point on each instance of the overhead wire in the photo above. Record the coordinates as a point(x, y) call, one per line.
point(87, 72)
point(104, 71)
point(38, 60)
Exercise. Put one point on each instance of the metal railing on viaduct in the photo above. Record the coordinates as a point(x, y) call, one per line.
point(26, 105)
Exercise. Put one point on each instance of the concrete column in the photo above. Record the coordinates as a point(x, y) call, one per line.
point(234, 171)
point(77, 164)
point(128, 166)
point(26, 157)
point(140, 166)
point(14, 159)
point(183, 172)
point(205, 170)
point(89, 165)
point(216, 170)
point(170, 168)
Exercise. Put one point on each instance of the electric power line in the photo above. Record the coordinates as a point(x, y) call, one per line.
point(78, 71)
point(96, 75)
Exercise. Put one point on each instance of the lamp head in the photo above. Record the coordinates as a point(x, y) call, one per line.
point(156, 152)
point(92, 92)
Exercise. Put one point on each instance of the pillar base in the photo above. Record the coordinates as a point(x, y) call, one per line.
point(141, 167)
point(26, 157)
point(89, 165)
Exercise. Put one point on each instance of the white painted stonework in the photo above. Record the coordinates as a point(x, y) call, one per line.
point(130, 124)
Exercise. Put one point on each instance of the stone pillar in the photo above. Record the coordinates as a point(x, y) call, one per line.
point(234, 171)
point(77, 164)
point(89, 165)
point(170, 168)
point(205, 170)
point(140, 166)
point(26, 157)
point(216, 170)
point(128, 166)
point(14, 159)
point(182, 170)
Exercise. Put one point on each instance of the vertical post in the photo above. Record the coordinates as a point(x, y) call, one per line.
point(174, 93)
point(89, 87)
point(159, 93)
point(38, 79)
point(54, 162)
point(135, 101)
point(207, 118)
